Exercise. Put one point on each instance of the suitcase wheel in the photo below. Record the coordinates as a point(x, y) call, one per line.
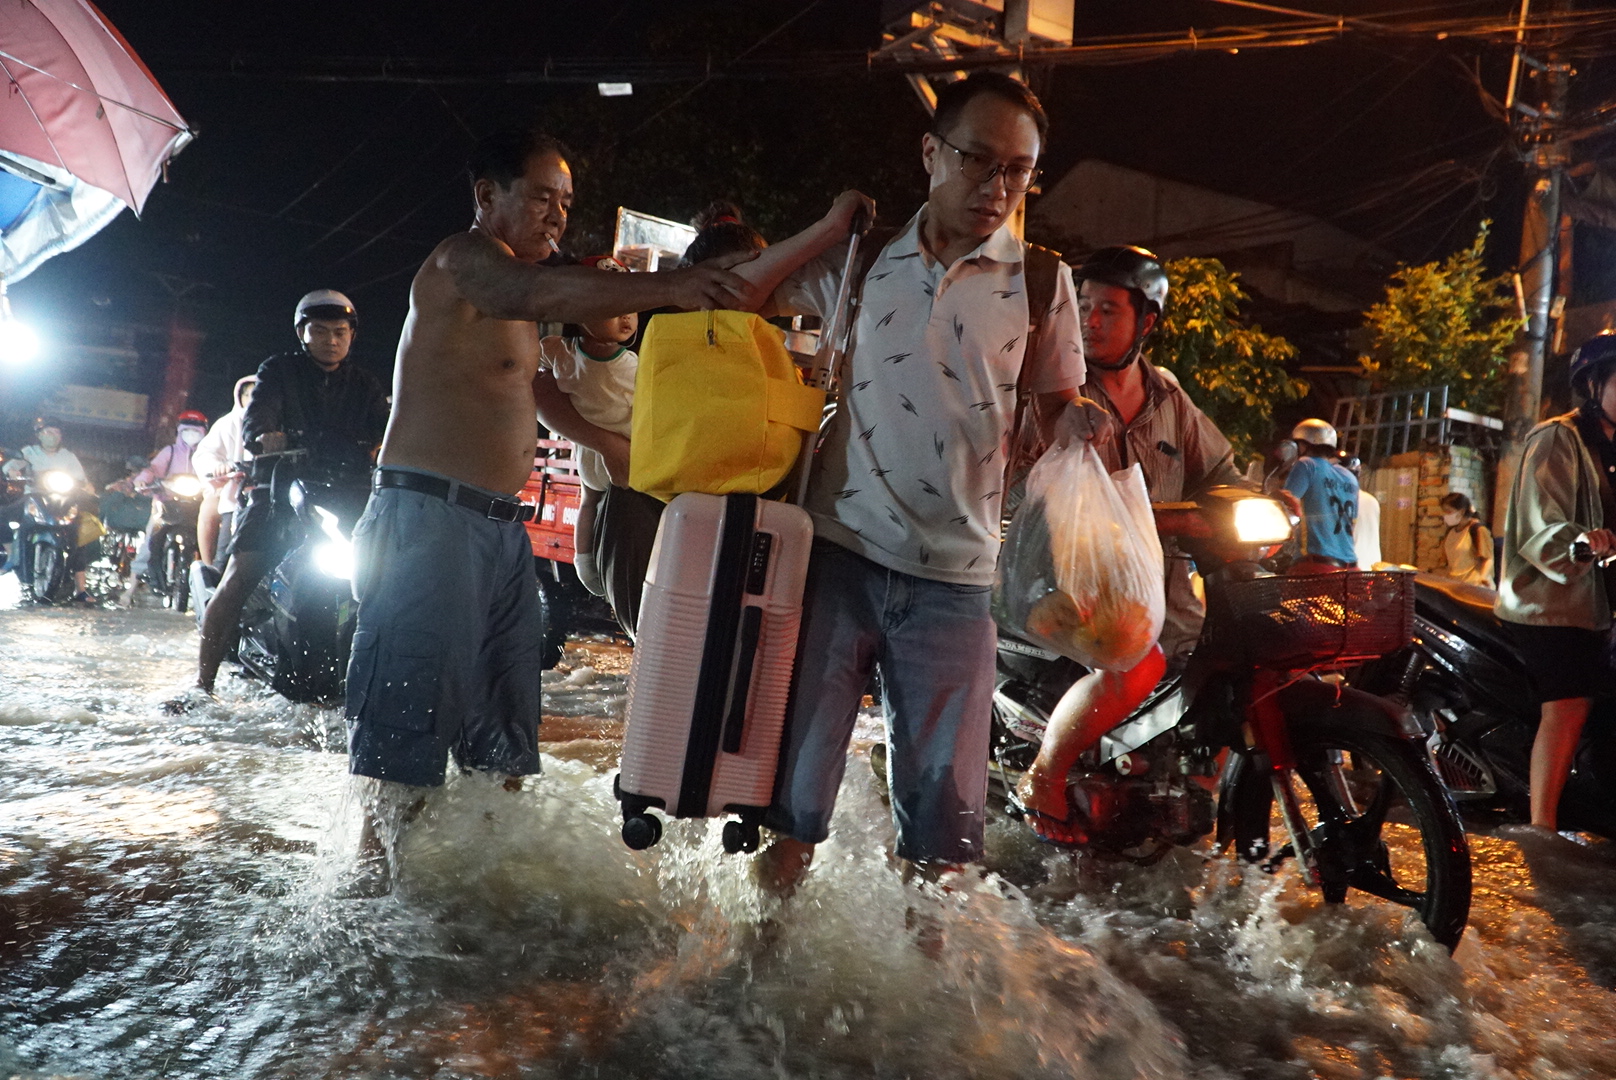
point(740, 836)
point(641, 831)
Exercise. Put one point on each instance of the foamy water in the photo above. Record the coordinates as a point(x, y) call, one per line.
point(171, 905)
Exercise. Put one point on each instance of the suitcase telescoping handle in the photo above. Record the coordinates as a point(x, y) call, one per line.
point(832, 344)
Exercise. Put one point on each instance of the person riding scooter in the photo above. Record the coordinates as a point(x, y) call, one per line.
point(1328, 493)
point(47, 454)
point(1555, 606)
point(172, 460)
point(1121, 295)
point(314, 402)
point(217, 458)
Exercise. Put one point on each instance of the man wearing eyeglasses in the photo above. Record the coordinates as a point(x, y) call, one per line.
point(908, 488)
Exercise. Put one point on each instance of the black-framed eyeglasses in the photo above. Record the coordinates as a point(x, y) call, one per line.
point(980, 169)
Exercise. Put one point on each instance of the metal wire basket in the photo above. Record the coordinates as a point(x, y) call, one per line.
point(1311, 620)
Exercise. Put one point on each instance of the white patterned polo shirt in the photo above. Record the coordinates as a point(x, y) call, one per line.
point(911, 472)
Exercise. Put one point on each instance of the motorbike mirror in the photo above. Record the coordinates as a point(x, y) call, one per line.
point(1278, 463)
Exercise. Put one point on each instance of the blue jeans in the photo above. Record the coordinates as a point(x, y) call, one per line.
point(933, 644)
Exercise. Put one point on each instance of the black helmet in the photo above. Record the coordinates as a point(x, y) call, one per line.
point(43, 422)
point(1592, 355)
point(1132, 268)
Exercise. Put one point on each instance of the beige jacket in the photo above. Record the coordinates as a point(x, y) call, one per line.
point(1555, 499)
point(1182, 453)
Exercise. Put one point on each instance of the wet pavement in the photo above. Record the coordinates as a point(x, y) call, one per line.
point(171, 906)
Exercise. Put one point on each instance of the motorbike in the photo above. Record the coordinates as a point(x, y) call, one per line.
point(48, 536)
point(1257, 740)
point(1461, 676)
point(297, 627)
point(173, 543)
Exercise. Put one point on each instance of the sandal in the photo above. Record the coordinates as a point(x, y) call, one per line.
point(1067, 832)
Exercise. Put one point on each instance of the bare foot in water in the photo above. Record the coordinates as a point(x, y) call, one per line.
point(782, 864)
point(372, 876)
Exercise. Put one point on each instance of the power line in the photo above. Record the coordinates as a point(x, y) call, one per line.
point(1578, 33)
point(682, 98)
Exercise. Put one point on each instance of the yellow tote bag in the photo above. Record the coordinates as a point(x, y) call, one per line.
point(718, 406)
point(90, 529)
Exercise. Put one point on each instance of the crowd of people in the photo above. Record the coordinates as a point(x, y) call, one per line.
point(969, 346)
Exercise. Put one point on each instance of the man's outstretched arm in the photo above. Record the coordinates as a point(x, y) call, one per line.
point(499, 285)
point(779, 261)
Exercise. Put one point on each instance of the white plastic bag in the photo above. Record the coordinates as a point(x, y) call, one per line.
point(1081, 572)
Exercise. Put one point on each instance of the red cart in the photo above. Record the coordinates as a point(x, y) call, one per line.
point(556, 492)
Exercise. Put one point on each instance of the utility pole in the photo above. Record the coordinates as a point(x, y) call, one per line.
point(1536, 102)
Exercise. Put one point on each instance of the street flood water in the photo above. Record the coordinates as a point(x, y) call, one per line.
point(173, 904)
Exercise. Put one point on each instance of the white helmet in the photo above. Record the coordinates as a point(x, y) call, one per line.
point(1314, 432)
point(324, 304)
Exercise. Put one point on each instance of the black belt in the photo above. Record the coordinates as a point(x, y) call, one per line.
point(489, 506)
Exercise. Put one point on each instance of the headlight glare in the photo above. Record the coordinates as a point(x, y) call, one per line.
point(1261, 521)
point(184, 485)
point(334, 558)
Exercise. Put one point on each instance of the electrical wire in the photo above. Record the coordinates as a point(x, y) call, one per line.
point(682, 98)
point(1576, 34)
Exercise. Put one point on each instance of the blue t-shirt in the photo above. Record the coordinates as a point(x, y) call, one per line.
point(1329, 496)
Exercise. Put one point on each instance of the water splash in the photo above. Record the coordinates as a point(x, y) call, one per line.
point(169, 906)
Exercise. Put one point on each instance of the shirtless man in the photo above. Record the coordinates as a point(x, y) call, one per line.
point(446, 652)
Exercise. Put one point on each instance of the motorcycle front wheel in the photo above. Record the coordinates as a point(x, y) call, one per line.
point(49, 572)
point(176, 573)
point(1379, 822)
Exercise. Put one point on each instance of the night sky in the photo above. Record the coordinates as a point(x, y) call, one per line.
point(315, 165)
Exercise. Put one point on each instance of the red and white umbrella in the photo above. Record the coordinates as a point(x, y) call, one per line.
point(78, 110)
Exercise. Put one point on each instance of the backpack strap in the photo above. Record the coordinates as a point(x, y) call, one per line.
point(1040, 271)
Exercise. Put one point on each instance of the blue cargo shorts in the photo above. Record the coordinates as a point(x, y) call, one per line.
point(447, 647)
point(933, 644)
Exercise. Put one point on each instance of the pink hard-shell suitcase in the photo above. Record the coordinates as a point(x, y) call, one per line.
point(708, 689)
point(711, 678)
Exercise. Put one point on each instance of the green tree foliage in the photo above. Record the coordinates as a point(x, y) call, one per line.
point(1445, 323)
point(1234, 372)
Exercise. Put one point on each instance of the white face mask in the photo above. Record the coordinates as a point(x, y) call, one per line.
point(1452, 518)
point(190, 436)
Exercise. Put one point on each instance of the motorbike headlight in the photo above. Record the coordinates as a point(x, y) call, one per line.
point(58, 482)
point(1261, 521)
point(334, 558)
point(184, 485)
